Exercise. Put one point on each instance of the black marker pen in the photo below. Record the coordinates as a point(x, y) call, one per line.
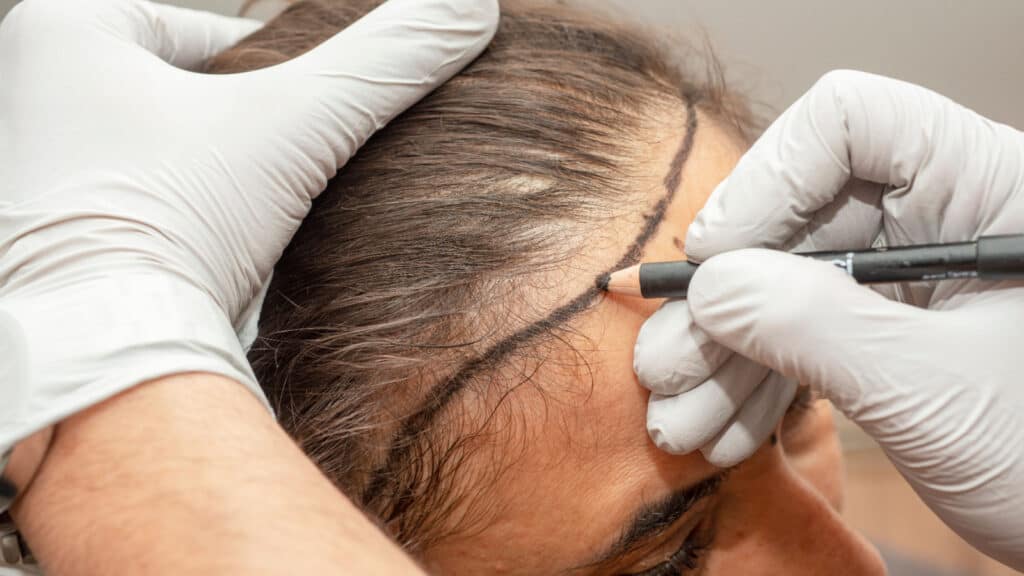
point(990, 258)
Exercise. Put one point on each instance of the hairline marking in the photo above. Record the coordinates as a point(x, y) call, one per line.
point(443, 394)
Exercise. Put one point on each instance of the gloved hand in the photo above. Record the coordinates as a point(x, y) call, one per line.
point(931, 373)
point(143, 206)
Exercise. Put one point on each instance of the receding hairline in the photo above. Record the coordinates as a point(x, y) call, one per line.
point(442, 395)
point(549, 151)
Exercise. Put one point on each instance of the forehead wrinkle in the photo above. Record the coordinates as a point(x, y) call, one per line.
point(490, 358)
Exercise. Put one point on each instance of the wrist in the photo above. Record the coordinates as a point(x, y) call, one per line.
point(17, 470)
point(77, 345)
point(146, 481)
point(25, 460)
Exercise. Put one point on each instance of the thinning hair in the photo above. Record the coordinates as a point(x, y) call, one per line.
point(414, 277)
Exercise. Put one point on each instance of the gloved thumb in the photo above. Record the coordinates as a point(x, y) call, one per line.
point(811, 322)
point(330, 100)
point(182, 37)
point(187, 38)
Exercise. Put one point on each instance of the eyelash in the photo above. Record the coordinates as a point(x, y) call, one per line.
point(803, 400)
point(687, 558)
point(801, 407)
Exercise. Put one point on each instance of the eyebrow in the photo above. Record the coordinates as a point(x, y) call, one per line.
point(653, 518)
point(403, 442)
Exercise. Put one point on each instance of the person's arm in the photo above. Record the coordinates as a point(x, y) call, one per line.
point(142, 209)
point(191, 475)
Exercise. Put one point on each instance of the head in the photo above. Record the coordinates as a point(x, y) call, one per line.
point(435, 341)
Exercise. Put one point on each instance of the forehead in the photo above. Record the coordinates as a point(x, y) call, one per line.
point(577, 460)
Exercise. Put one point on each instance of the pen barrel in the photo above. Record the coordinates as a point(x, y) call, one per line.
point(910, 264)
point(666, 279)
point(1001, 257)
point(990, 258)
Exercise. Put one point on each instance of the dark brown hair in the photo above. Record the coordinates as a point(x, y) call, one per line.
point(410, 282)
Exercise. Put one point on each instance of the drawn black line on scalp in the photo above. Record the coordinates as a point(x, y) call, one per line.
point(444, 393)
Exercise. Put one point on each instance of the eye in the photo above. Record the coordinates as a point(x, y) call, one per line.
point(687, 559)
point(798, 431)
point(799, 410)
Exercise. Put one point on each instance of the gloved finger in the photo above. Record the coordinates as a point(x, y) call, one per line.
point(809, 321)
point(187, 38)
point(684, 422)
point(328, 101)
point(853, 220)
point(672, 355)
point(753, 424)
point(182, 37)
point(849, 124)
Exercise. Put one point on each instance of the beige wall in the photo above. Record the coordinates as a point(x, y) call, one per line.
point(969, 50)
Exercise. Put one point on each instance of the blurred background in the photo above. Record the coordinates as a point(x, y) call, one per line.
point(773, 51)
point(969, 51)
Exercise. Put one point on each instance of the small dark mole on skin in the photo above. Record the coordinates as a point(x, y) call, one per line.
point(602, 281)
point(678, 244)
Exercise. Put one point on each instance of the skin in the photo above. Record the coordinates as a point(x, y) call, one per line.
point(145, 482)
point(589, 464)
point(584, 463)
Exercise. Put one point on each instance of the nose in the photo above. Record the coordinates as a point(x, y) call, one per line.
point(773, 521)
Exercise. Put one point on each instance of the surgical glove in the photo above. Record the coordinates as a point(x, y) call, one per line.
point(932, 372)
point(143, 206)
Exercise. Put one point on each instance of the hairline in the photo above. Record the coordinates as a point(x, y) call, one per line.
point(442, 395)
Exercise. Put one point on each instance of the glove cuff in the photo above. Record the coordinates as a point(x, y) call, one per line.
point(75, 346)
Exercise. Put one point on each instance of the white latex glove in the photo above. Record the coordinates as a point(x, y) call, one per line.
point(143, 206)
point(937, 382)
